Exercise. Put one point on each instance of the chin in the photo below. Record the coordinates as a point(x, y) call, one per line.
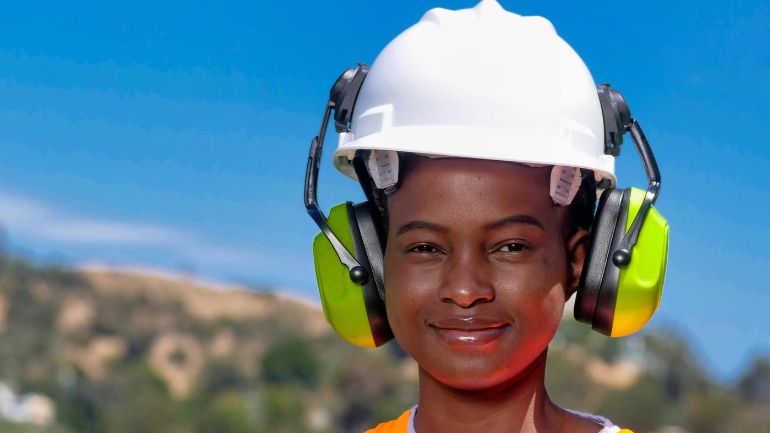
point(484, 373)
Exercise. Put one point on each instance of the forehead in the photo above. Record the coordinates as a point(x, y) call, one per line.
point(465, 188)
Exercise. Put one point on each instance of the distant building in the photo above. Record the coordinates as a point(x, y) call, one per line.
point(30, 408)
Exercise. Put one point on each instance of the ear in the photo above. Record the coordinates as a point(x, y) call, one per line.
point(576, 248)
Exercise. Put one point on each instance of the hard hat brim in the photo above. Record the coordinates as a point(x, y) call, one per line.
point(480, 143)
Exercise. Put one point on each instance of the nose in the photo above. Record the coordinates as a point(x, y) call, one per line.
point(467, 281)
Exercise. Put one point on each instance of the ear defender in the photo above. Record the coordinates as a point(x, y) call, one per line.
point(622, 279)
point(355, 311)
point(347, 252)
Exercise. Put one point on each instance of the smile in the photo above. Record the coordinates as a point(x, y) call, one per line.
point(469, 331)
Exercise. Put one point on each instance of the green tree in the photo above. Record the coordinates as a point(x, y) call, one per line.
point(138, 402)
point(283, 409)
point(754, 386)
point(292, 361)
point(227, 413)
point(644, 406)
point(710, 411)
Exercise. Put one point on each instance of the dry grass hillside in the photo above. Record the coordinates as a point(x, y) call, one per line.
point(206, 301)
point(118, 351)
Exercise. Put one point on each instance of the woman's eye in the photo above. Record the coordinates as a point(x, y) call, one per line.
point(513, 247)
point(424, 249)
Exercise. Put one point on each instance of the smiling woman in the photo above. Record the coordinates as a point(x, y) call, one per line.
point(479, 222)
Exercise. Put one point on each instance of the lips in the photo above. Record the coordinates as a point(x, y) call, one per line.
point(470, 331)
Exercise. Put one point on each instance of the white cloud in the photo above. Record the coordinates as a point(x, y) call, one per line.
point(40, 221)
point(29, 219)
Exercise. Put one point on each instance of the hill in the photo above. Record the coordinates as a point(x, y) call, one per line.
point(112, 351)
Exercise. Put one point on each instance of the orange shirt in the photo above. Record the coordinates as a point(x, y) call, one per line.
point(401, 425)
point(398, 425)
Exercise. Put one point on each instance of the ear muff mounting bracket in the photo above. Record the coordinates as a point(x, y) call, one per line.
point(618, 120)
point(342, 100)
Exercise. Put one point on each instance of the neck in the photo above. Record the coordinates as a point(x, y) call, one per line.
point(519, 405)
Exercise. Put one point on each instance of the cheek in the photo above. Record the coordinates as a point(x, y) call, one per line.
point(401, 301)
point(408, 291)
point(535, 293)
point(545, 311)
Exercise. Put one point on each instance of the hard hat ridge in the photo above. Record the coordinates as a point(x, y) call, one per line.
point(485, 11)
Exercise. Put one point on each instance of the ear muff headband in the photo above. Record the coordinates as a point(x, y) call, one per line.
point(341, 99)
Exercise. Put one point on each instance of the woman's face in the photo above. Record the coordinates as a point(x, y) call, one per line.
point(477, 269)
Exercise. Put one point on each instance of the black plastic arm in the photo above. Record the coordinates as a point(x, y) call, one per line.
point(357, 272)
point(622, 256)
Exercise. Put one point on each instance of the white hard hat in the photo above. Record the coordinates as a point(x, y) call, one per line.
point(480, 83)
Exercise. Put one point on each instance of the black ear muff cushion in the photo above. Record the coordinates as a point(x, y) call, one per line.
point(371, 244)
point(604, 313)
point(369, 254)
point(602, 234)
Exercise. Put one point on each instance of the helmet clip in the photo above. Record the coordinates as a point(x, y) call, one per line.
point(344, 93)
point(617, 118)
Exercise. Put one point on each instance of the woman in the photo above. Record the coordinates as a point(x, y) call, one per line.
point(480, 141)
point(478, 266)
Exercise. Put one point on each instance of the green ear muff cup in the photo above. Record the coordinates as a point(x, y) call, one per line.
point(603, 232)
point(342, 299)
point(355, 311)
point(640, 284)
point(369, 254)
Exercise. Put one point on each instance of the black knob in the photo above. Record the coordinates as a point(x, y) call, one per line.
point(359, 275)
point(621, 258)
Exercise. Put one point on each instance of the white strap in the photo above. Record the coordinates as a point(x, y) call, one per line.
point(411, 419)
point(383, 167)
point(565, 183)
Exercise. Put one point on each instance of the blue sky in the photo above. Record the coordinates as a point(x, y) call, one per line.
point(174, 136)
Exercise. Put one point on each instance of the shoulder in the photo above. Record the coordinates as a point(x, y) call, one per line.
point(398, 425)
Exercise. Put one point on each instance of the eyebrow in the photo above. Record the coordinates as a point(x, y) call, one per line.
point(515, 219)
point(414, 225)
